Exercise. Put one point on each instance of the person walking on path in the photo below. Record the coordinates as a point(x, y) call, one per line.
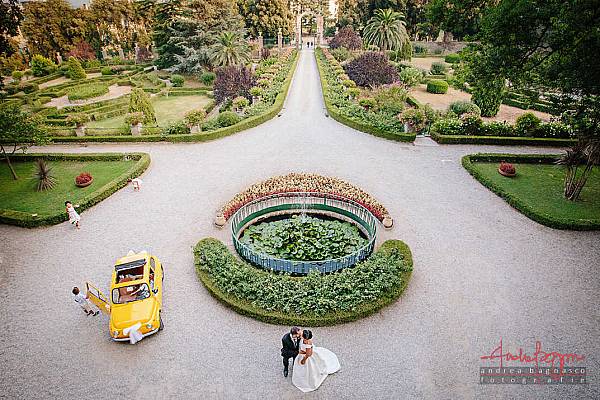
point(83, 302)
point(74, 217)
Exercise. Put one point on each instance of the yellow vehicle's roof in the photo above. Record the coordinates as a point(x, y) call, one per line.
point(133, 257)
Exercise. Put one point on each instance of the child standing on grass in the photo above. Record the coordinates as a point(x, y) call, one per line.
point(74, 217)
point(83, 302)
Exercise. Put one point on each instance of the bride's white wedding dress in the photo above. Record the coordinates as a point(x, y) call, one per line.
point(308, 377)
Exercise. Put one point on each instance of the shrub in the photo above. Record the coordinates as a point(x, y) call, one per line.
point(349, 83)
point(77, 119)
point(346, 37)
point(488, 96)
point(497, 128)
point(452, 58)
point(139, 101)
point(91, 63)
point(17, 75)
point(43, 175)
point(554, 130)
point(367, 103)
point(208, 78)
point(82, 50)
point(83, 178)
point(29, 87)
point(263, 82)
point(239, 103)
point(228, 118)
point(471, 124)
point(371, 69)
point(527, 124)
point(451, 126)
point(87, 91)
point(134, 118)
point(175, 128)
point(353, 92)
point(195, 117)
point(437, 86)
point(411, 76)
point(107, 71)
point(438, 68)
point(341, 54)
point(41, 66)
point(256, 91)
point(420, 49)
point(507, 168)
point(265, 53)
point(232, 81)
point(177, 80)
point(462, 107)
point(415, 118)
point(11, 89)
point(75, 71)
point(390, 99)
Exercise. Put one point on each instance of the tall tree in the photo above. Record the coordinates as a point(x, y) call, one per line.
point(459, 17)
point(386, 30)
point(50, 26)
point(230, 49)
point(11, 16)
point(266, 16)
point(357, 13)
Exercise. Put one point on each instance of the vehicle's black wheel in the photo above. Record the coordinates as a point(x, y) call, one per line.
point(161, 326)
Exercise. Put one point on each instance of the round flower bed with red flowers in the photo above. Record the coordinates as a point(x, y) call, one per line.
point(507, 169)
point(84, 179)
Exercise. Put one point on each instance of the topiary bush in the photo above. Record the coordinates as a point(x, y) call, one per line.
point(471, 124)
point(346, 37)
point(371, 69)
point(527, 124)
point(228, 118)
point(462, 107)
point(75, 71)
point(452, 58)
point(208, 78)
point(233, 81)
point(438, 68)
point(42, 66)
point(437, 86)
point(177, 80)
point(411, 76)
point(367, 103)
point(139, 102)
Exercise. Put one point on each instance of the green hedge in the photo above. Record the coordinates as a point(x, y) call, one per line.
point(212, 256)
point(247, 123)
point(12, 217)
point(501, 140)
point(469, 161)
point(358, 125)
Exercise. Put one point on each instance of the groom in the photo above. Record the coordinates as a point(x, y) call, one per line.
point(291, 345)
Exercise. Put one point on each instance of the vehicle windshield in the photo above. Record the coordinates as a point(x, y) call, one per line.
point(127, 294)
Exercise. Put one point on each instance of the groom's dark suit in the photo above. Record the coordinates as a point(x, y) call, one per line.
point(289, 350)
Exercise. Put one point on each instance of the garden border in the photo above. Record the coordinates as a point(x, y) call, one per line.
point(27, 220)
point(468, 162)
point(398, 137)
point(245, 124)
point(501, 140)
point(278, 318)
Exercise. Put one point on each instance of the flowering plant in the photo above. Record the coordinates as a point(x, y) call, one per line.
point(507, 168)
point(83, 178)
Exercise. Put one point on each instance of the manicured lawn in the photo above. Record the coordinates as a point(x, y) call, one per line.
point(540, 188)
point(20, 195)
point(168, 110)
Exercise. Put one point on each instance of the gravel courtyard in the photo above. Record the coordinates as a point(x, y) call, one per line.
point(482, 272)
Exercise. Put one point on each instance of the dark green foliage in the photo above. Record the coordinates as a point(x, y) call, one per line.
point(527, 125)
point(29, 87)
point(139, 101)
point(460, 17)
point(437, 86)
point(347, 38)
point(228, 118)
point(177, 80)
point(75, 70)
point(452, 58)
point(488, 96)
point(314, 300)
point(176, 128)
point(371, 69)
point(11, 15)
point(438, 68)
point(208, 78)
point(41, 66)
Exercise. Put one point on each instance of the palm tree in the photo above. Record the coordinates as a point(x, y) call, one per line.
point(386, 30)
point(230, 49)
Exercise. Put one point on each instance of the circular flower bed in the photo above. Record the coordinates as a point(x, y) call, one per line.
point(300, 182)
point(304, 238)
point(314, 300)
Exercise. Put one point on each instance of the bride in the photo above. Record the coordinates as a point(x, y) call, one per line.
point(313, 364)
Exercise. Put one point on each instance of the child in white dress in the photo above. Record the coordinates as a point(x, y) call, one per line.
point(74, 217)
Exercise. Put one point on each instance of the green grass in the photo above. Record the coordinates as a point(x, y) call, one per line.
point(20, 195)
point(539, 188)
point(168, 110)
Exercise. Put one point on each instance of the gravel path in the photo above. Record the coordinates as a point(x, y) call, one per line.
point(482, 271)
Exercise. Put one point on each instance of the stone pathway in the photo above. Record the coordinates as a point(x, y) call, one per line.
point(482, 272)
